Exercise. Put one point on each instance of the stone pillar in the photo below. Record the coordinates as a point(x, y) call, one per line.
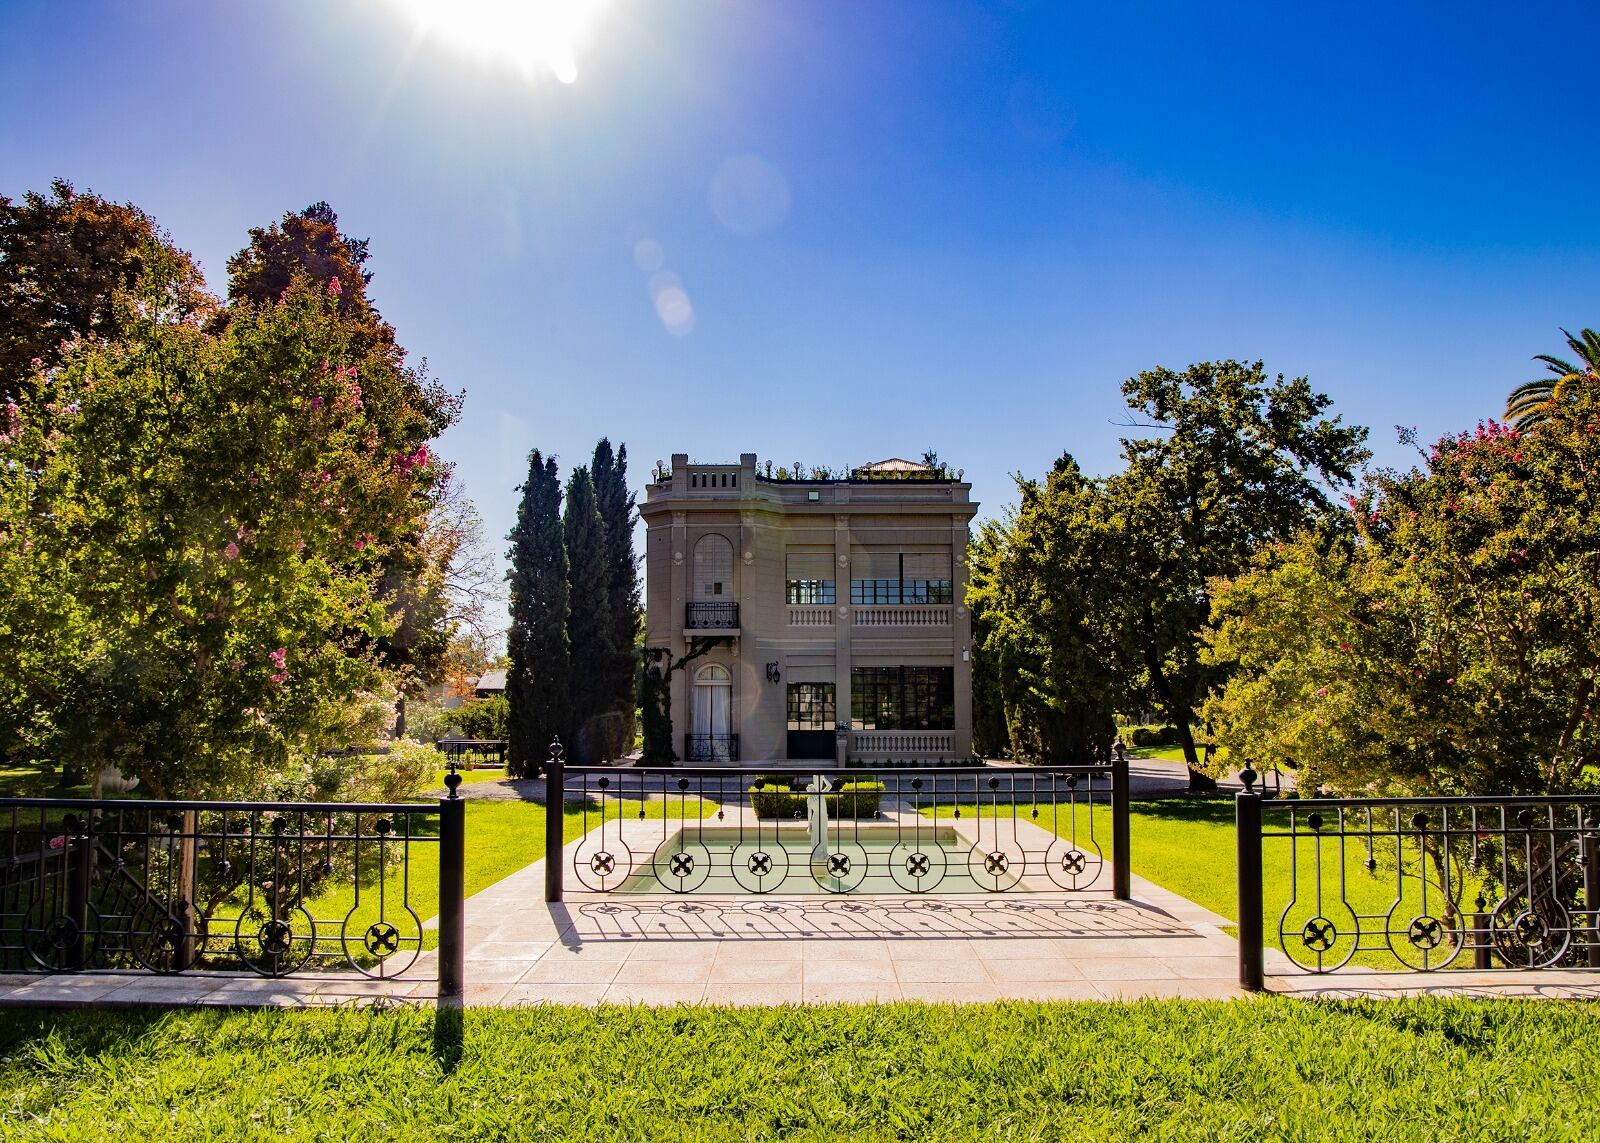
point(961, 632)
point(844, 621)
point(677, 615)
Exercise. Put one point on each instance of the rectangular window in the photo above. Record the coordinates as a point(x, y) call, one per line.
point(903, 578)
point(902, 698)
point(811, 706)
point(809, 591)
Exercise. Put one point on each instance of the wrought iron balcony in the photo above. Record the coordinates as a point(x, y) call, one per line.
point(710, 747)
point(711, 617)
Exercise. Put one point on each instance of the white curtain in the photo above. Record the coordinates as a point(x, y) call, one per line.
point(713, 714)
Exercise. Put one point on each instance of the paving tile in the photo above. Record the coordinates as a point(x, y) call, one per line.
point(1013, 948)
point(655, 994)
point(485, 994)
point(663, 972)
point(848, 972)
point(1050, 990)
point(749, 966)
point(836, 950)
point(953, 993)
point(1125, 968)
point(547, 993)
point(849, 993)
point(566, 969)
point(1011, 973)
point(1206, 967)
point(503, 950)
point(947, 970)
point(595, 952)
point(675, 952)
point(497, 971)
point(1167, 989)
point(754, 994)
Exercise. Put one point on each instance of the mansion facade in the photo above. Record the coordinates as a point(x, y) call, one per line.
point(829, 614)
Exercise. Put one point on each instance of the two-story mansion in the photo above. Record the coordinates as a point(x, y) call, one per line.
point(836, 608)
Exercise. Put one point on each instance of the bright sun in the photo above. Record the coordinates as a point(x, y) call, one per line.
point(533, 34)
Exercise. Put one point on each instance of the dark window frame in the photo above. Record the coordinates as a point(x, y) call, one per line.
point(809, 592)
point(812, 706)
point(902, 698)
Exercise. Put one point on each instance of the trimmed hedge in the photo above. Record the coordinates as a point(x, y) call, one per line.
point(849, 800)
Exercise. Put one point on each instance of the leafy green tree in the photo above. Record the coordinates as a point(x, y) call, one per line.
point(537, 680)
point(589, 629)
point(1043, 611)
point(415, 580)
point(617, 513)
point(1529, 402)
point(1244, 460)
point(1450, 643)
point(192, 526)
point(64, 257)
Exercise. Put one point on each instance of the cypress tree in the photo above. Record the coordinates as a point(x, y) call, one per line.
point(537, 682)
point(596, 737)
point(616, 510)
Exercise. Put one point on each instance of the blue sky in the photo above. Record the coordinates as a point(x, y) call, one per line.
point(896, 224)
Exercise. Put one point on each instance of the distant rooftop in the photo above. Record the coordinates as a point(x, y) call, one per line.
point(491, 681)
point(894, 466)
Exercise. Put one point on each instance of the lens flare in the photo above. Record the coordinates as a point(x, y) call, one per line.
point(538, 36)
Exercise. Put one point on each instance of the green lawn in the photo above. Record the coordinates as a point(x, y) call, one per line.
point(1268, 1068)
point(1188, 845)
point(502, 837)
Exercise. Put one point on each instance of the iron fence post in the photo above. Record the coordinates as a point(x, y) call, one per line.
point(1121, 860)
point(1247, 828)
point(452, 890)
point(80, 876)
point(554, 839)
point(1589, 854)
point(1481, 951)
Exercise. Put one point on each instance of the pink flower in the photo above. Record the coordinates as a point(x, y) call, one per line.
point(278, 657)
point(58, 842)
point(334, 287)
point(1322, 692)
point(316, 402)
point(280, 677)
point(231, 551)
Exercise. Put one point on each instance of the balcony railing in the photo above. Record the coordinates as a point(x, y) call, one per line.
point(923, 742)
point(920, 615)
point(710, 747)
point(810, 615)
point(711, 617)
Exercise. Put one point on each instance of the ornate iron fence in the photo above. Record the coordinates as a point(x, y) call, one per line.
point(275, 888)
point(1418, 884)
point(711, 747)
point(742, 830)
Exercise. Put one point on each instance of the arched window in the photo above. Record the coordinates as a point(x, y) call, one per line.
point(711, 736)
point(713, 569)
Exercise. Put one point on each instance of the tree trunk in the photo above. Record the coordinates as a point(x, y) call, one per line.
point(1177, 713)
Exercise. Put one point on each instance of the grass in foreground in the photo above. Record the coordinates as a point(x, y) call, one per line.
point(1261, 1069)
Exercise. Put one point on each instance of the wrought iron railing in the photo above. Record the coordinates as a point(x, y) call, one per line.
point(473, 752)
point(711, 616)
point(1418, 884)
point(711, 747)
point(736, 831)
point(275, 888)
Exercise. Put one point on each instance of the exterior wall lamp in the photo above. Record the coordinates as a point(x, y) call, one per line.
point(773, 674)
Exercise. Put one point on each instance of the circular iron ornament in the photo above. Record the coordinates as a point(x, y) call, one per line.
point(156, 937)
point(275, 946)
point(1424, 942)
point(1530, 937)
point(602, 864)
point(382, 946)
point(55, 941)
point(918, 867)
point(1070, 867)
point(682, 868)
point(1319, 934)
point(759, 866)
point(1322, 940)
point(843, 869)
point(995, 870)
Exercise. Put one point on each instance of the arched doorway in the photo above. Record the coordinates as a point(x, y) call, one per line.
point(711, 737)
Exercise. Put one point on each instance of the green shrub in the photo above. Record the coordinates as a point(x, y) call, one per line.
point(482, 718)
point(846, 800)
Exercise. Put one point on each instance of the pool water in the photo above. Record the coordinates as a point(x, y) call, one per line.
point(859, 860)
